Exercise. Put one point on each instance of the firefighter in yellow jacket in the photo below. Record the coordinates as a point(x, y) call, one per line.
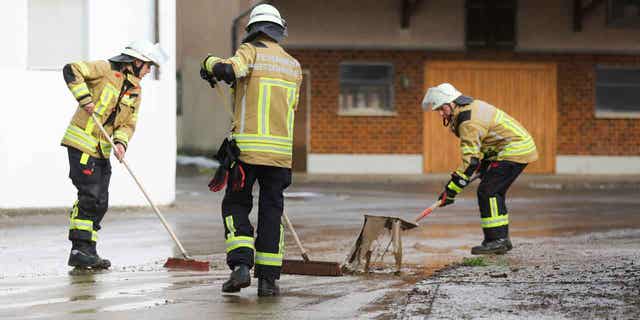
point(111, 91)
point(491, 143)
point(266, 82)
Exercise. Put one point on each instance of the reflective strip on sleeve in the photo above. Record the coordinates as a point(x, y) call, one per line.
point(208, 64)
point(122, 136)
point(80, 90)
point(84, 69)
point(269, 259)
point(461, 174)
point(233, 243)
point(243, 68)
point(469, 150)
point(454, 187)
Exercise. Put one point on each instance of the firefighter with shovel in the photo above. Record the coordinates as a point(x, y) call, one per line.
point(109, 92)
point(491, 143)
point(266, 82)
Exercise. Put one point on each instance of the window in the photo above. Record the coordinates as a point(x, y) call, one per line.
point(617, 92)
point(57, 33)
point(623, 13)
point(491, 23)
point(366, 89)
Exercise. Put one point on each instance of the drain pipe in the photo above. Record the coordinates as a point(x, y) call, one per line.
point(234, 27)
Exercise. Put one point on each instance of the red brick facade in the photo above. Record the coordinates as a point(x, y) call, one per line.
point(579, 132)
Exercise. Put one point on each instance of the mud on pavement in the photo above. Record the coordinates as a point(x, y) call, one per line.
point(575, 256)
point(594, 276)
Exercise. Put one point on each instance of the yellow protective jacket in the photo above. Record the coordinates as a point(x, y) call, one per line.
point(116, 96)
point(265, 98)
point(487, 132)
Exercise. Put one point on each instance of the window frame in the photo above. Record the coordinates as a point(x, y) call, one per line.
point(380, 112)
point(612, 114)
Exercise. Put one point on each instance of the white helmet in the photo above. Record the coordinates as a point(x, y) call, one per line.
point(439, 95)
point(266, 13)
point(146, 51)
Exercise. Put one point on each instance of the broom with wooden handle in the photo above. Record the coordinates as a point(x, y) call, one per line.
point(307, 266)
point(179, 263)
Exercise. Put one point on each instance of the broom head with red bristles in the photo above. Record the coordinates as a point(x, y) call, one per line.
point(186, 264)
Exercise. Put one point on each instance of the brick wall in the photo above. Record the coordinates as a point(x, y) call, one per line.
point(579, 132)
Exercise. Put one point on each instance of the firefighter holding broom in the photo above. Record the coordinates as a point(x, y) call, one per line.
point(491, 143)
point(109, 90)
point(266, 82)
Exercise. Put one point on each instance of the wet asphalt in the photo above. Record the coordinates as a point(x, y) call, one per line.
point(577, 244)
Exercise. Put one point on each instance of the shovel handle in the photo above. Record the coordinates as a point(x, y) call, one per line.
point(144, 192)
point(427, 211)
point(436, 204)
point(295, 236)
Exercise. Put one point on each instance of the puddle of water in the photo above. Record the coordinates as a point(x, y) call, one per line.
point(34, 303)
point(136, 305)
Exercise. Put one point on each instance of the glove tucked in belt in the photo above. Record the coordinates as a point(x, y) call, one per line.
point(230, 167)
point(453, 187)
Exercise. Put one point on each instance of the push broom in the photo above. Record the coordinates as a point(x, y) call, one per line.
point(173, 263)
point(307, 266)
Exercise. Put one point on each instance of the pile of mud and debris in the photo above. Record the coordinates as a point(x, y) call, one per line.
point(595, 276)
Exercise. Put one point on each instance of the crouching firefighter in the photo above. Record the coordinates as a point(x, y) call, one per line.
point(491, 143)
point(266, 82)
point(110, 90)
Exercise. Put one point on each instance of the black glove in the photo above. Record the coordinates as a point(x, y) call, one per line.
point(208, 77)
point(453, 187)
point(446, 198)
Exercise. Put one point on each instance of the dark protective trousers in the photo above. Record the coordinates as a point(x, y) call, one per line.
point(91, 178)
point(492, 192)
point(268, 251)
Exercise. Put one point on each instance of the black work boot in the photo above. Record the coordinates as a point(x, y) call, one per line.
point(499, 246)
point(509, 245)
point(239, 278)
point(102, 263)
point(268, 288)
point(82, 259)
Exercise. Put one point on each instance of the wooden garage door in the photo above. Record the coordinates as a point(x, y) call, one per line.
point(526, 91)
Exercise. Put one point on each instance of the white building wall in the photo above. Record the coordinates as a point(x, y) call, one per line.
point(37, 107)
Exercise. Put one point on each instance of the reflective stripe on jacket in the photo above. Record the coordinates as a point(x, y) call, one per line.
point(487, 132)
point(266, 97)
point(97, 82)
